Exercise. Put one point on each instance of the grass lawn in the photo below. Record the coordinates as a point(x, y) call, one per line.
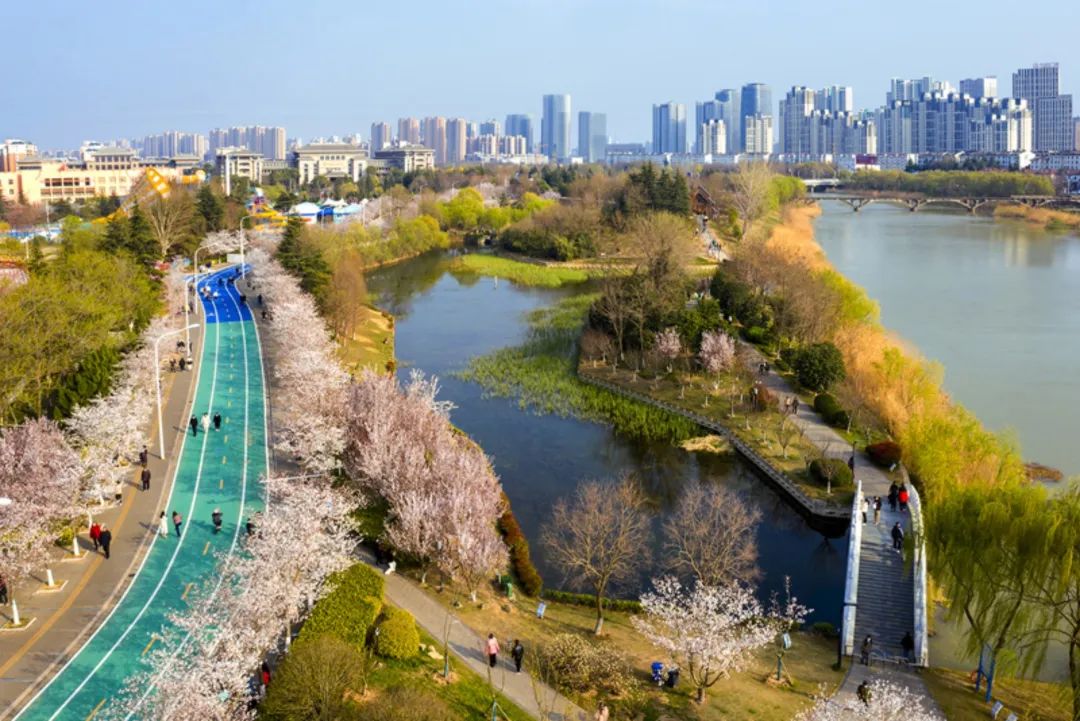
point(373, 344)
point(743, 696)
point(468, 695)
point(1029, 700)
point(516, 271)
point(761, 430)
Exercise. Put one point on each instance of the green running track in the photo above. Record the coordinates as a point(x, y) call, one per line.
point(219, 469)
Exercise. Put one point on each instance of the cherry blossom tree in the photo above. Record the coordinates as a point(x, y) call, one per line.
point(668, 346)
point(717, 351)
point(889, 701)
point(309, 385)
point(39, 474)
point(711, 631)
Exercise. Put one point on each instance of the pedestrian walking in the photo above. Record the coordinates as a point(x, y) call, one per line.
point(897, 537)
point(183, 365)
point(601, 713)
point(908, 644)
point(145, 476)
point(264, 672)
point(894, 491)
point(794, 405)
point(868, 504)
point(517, 652)
point(216, 518)
point(144, 456)
point(95, 535)
point(206, 422)
point(867, 649)
point(217, 421)
point(877, 510)
point(492, 648)
point(194, 423)
point(903, 497)
point(249, 527)
point(259, 300)
point(863, 692)
point(172, 365)
point(163, 525)
point(105, 539)
point(3, 592)
point(176, 521)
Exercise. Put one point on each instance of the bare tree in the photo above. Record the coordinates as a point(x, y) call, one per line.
point(711, 536)
point(346, 295)
point(595, 345)
point(786, 432)
point(600, 538)
point(171, 219)
point(750, 192)
point(611, 305)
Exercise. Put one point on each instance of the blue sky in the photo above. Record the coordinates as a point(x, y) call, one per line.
point(119, 68)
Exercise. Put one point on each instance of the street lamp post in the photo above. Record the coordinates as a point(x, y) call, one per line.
point(243, 273)
point(157, 383)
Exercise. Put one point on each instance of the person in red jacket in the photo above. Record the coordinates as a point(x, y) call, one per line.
point(95, 535)
point(903, 497)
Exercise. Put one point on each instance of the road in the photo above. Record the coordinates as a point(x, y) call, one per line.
point(219, 469)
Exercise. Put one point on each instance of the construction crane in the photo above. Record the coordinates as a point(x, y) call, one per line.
point(148, 188)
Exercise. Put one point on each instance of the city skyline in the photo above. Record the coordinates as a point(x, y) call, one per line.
point(841, 47)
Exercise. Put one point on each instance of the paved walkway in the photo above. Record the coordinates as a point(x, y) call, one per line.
point(468, 646)
point(913, 682)
point(214, 470)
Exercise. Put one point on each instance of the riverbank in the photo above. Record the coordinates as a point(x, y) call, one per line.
point(1046, 218)
point(372, 345)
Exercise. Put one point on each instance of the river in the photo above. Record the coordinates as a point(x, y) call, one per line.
point(996, 303)
point(443, 320)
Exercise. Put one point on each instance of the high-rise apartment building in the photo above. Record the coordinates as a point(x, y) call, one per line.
point(985, 87)
point(756, 102)
point(491, 127)
point(704, 111)
point(408, 131)
point(380, 136)
point(555, 127)
point(457, 138)
point(730, 100)
point(1076, 133)
point(758, 139)
point(909, 90)
point(795, 111)
point(713, 135)
point(1051, 111)
point(953, 122)
point(433, 135)
point(669, 128)
point(171, 144)
point(267, 141)
point(592, 137)
point(835, 99)
point(11, 151)
point(521, 125)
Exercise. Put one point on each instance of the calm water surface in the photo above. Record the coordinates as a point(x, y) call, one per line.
point(998, 304)
point(444, 320)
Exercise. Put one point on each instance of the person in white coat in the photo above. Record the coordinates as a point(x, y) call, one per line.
point(163, 525)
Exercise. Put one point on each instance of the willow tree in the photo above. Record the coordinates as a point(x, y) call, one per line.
point(991, 548)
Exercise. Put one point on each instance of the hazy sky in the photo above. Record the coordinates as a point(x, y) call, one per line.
point(122, 68)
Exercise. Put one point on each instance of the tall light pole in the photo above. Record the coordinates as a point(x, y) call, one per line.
point(243, 274)
point(157, 384)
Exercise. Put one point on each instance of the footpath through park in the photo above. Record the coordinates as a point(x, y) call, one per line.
point(213, 470)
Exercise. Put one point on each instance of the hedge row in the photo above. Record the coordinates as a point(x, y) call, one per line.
point(830, 409)
point(397, 636)
point(528, 577)
point(584, 599)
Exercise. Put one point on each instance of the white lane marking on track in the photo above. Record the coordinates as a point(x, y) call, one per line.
point(161, 581)
point(243, 500)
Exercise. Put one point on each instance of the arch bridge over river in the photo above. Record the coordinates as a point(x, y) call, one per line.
point(836, 189)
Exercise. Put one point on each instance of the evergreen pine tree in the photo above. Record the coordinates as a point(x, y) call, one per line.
point(210, 208)
point(141, 240)
point(117, 235)
point(37, 259)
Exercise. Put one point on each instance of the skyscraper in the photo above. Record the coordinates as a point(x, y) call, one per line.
point(732, 117)
point(433, 135)
point(380, 136)
point(555, 127)
point(669, 128)
point(756, 101)
point(985, 87)
point(713, 137)
point(1052, 112)
point(408, 130)
point(703, 113)
point(491, 127)
point(592, 136)
point(457, 136)
point(520, 124)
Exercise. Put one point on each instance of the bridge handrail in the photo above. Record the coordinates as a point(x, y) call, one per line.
point(851, 578)
point(922, 628)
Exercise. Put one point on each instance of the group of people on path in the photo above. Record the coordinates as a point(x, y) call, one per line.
point(517, 652)
point(205, 422)
point(899, 496)
point(907, 643)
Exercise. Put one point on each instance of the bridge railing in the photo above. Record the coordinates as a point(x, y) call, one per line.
point(922, 628)
point(851, 580)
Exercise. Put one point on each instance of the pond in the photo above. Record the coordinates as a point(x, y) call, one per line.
point(443, 320)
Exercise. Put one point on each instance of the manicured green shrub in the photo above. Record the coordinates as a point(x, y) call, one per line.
point(829, 408)
point(316, 680)
point(755, 334)
point(415, 704)
point(824, 628)
point(397, 636)
point(884, 453)
point(819, 366)
point(824, 469)
point(349, 610)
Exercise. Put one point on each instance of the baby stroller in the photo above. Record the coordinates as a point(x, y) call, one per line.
point(657, 673)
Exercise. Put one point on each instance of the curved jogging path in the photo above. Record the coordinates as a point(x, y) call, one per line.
point(219, 469)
